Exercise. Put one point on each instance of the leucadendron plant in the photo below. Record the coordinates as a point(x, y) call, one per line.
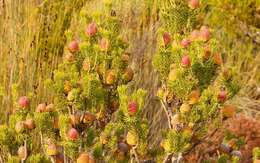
point(86, 82)
point(195, 84)
point(21, 139)
point(125, 138)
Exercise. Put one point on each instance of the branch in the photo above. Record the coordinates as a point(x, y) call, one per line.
point(25, 155)
point(172, 158)
point(52, 159)
point(165, 108)
point(1, 159)
point(204, 139)
point(41, 140)
point(167, 158)
point(249, 31)
point(135, 154)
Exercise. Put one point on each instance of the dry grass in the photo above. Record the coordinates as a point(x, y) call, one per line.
point(31, 44)
point(17, 28)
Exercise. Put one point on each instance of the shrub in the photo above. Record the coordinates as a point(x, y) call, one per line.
point(195, 82)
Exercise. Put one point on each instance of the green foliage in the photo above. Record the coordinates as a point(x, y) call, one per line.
point(206, 109)
point(232, 87)
point(190, 65)
point(44, 122)
point(204, 72)
point(176, 16)
point(235, 159)
point(19, 116)
point(201, 73)
point(37, 158)
point(88, 85)
point(13, 159)
point(85, 83)
point(256, 153)
point(223, 158)
point(64, 122)
point(98, 150)
point(91, 135)
point(112, 132)
point(126, 122)
point(177, 142)
point(71, 148)
point(162, 62)
point(184, 84)
point(7, 139)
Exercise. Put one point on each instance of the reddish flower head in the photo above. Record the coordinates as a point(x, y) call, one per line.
point(195, 35)
point(222, 96)
point(166, 38)
point(193, 4)
point(23, 102)
point(185, 61)
point(73, 134)
point(73, 46)
point(104, 44)
point(204, 33)
point(91, 29)
point(132, 108)
point(185, 43)
point(41, 108)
